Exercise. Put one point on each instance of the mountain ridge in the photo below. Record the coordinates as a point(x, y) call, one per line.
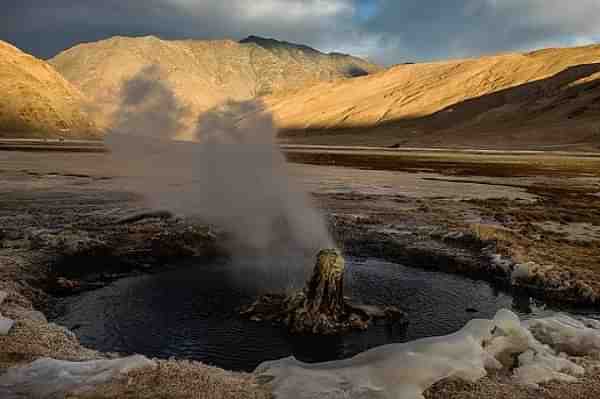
point(36, 101)
point(548, 98)
point(541, 98)
point(201, 73)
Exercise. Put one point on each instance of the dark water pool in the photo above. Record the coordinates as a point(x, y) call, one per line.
point(190, 312)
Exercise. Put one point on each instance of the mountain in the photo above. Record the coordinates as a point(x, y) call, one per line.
point(203, 73)
point(36, 101)
point(543, 99)
point(343, 65)
point(546, 99)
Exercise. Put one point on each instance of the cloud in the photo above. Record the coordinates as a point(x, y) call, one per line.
point(433, 29)
point(387, 31)
point(45, 28)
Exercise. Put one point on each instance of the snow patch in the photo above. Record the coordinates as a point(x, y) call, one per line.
point(566, 334)
point(5, 323)
point(49, 378)
point(538, 367)
point(407, 370)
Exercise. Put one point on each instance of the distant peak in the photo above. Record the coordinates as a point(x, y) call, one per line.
point(270, 43)
point(254, 39)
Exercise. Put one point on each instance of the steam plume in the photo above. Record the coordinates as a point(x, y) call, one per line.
point(234, 176)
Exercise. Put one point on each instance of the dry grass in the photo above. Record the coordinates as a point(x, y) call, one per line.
point(180, 379)
point(500, 387)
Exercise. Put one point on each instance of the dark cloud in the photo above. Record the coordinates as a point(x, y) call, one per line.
point(388, 31)
point(46, 27)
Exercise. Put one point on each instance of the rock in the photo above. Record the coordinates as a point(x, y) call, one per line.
point(357, 323)
point(394, 314)
point(65, 286)
point(586, 291)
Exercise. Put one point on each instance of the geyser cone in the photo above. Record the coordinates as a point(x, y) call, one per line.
point(325, 289)
point(321, 307)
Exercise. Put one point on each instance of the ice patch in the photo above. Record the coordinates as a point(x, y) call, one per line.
point(538, 367)
point(50, 378)
point(5, 323)
point(566, 334)
point(591, 323)
point(407, 370)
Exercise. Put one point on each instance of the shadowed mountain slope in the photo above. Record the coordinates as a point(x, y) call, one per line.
point(36, 101)
point(533, 100)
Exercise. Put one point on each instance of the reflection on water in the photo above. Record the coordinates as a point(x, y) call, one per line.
point(191, 312)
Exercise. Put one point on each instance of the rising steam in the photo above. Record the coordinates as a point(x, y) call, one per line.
point(233, 176)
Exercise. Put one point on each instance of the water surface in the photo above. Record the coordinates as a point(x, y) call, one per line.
point(191, 312)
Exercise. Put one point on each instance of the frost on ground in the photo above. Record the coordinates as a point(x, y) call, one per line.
point(49, 378)
point(534, 352)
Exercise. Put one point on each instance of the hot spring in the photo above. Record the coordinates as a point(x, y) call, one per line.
point(192, 312)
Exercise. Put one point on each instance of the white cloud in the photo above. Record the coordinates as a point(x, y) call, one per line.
point(295, 10)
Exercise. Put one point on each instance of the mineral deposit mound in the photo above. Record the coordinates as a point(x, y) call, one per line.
point(321, 307)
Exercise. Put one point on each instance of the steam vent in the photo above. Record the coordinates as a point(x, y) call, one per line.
point(321, 307)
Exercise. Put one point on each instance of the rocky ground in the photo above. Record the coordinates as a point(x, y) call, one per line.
point(61, 233)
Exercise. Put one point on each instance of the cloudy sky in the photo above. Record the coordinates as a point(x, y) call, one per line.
point(387, 31)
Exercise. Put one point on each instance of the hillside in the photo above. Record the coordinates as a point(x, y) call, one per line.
point(543, 99)
point(203, 73)
point(36, 101)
